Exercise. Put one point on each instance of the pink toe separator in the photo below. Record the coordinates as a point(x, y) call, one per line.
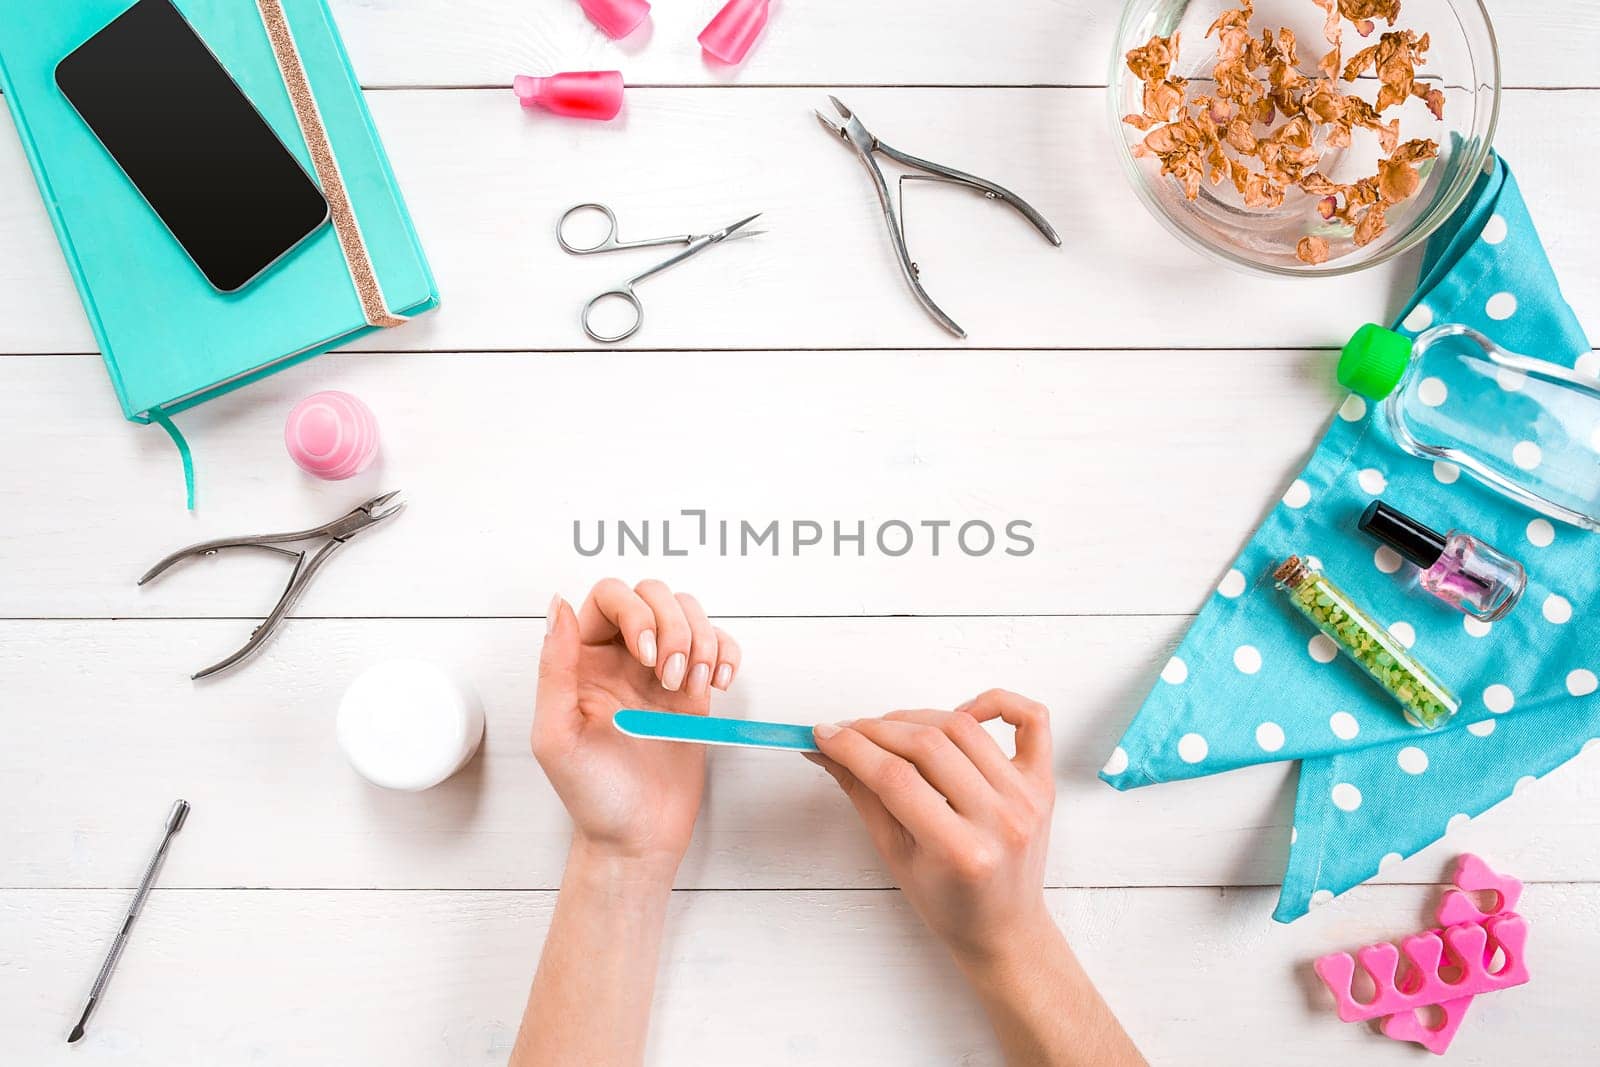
point(1475, 876)
point(1407, 1026)
point(1474, 937)
point(1470, 946)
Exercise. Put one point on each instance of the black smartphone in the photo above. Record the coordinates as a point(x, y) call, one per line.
point(191, 142)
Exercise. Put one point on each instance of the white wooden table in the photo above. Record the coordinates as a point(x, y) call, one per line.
point(305, 918)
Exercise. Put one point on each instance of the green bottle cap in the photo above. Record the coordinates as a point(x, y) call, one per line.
point(1374, 361)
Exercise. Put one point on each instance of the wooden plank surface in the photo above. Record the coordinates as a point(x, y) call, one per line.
point(885, 42)
point(118, 731)
point(486, 182)
point(500, 454)
point(319, 978)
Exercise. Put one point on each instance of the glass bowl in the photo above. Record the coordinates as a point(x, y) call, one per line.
point(1463, 62)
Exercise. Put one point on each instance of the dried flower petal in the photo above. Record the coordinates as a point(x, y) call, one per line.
point(1318, 184)
point(1162, 99)
point(1371, 226)
point(1240, 175)
point(1312, 250)
point(1259, 192)
point(1434, 99)
point(1360, 63)
point(1331, 29)
point(1416, 151)
point(1154, 61)
point(1397, 180)
point(1235, 20)
point(1360, 10)
point(1240, 139)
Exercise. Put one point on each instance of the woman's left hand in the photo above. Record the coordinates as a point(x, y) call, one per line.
point(644, 647)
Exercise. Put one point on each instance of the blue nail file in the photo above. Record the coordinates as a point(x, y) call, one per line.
point(704, 730)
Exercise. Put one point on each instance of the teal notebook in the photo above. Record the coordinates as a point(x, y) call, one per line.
point(169, 339)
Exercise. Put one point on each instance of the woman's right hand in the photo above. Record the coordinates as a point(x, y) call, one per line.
point(963, 827)
point(964, 830)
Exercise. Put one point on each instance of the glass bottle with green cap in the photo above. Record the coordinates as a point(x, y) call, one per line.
point(1525, 427)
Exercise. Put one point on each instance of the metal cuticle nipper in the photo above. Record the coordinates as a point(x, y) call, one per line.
point(866, 145)
point(338, 532)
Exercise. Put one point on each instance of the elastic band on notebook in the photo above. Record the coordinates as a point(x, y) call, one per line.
point(161, 419)
point(358, 261)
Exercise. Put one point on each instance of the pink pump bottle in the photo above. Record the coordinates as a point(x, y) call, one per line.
point(731, 32)
point(1472, 577)
point(589, 94)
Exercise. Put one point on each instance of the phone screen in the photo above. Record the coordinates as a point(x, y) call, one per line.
point(192, 143)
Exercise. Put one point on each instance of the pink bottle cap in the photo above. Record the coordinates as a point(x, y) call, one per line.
point(588, 94)
point(331, 435)
point(731, 32)
point(617, 18)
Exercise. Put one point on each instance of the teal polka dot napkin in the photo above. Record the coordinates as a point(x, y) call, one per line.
point(1250, 685)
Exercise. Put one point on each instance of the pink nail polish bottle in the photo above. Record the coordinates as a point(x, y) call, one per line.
point(587, 94)
point(1472, 577)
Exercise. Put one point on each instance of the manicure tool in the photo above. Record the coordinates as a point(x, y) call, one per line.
point(867, 145)
point(175, 819)
point(617, 18)
point(583, 94)
point(730, 33)
point(695, 244)
point(360, 519)
point(704, 730)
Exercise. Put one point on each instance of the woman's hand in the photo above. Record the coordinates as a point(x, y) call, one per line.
point(963, 828)
point(643, 647)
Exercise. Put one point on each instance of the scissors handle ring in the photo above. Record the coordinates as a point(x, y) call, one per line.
point(606, 243)
point(624, 293)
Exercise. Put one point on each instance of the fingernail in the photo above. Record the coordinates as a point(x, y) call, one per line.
point(647, 648)
point(552, 613)
point(672, 677)
point(825, 730)
point(698, 678)
point(724, 676)
point(967, 706)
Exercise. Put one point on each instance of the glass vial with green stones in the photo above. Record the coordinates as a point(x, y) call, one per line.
point(1425, 702)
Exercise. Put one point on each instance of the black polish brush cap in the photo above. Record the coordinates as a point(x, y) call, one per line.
point(1414, 541)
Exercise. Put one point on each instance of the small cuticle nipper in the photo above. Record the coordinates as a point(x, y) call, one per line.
point(866, 145)
point(338, 532)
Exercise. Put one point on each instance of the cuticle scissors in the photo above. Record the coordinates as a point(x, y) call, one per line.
point(694, 244)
